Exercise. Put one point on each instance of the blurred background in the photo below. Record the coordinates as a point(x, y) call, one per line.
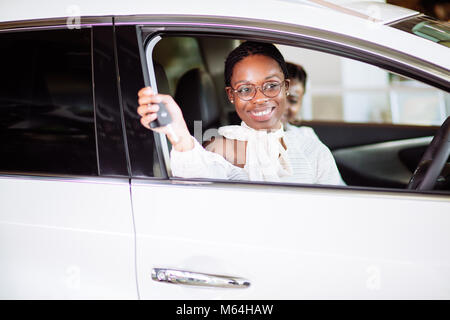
point(340, 89)
point(439, 9)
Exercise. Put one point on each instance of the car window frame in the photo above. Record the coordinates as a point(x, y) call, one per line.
point(143, 145)
point(384, 58)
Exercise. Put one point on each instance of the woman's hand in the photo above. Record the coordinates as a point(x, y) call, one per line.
point(148, 107)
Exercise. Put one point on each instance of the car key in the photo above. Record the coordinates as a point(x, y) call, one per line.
point(164, 119)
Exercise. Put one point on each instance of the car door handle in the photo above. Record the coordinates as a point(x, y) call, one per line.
point(197, 279)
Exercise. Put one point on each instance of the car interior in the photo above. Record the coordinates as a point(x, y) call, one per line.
point(373, 154)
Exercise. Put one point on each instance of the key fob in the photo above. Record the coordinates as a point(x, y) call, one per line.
point(163, 117)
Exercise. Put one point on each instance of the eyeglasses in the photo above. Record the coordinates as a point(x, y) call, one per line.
point(248, 91)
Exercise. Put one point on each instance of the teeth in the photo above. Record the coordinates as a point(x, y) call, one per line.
point(262, 113)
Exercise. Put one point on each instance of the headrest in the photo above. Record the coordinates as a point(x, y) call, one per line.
point(196, 96)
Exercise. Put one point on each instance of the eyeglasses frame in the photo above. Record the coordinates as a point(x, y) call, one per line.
point(285, 82)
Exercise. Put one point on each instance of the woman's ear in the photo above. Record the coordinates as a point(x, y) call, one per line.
point(229, 94)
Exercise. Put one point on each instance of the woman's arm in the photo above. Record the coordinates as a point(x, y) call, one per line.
point(148, 108)
point(188, 158)
point(328, 172)
point(234, 151)
point(200, 163)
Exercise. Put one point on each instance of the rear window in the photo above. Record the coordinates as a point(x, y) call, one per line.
point(46, 102)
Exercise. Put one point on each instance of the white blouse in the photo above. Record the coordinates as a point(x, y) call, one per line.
point(305, 160)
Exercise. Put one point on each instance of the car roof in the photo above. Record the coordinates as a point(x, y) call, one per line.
point(305, 14)
point(369, 10)
point(44, 9)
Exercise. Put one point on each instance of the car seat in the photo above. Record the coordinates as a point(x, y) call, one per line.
point(196, 96)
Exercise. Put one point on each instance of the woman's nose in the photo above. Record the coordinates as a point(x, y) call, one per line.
point(259, 96)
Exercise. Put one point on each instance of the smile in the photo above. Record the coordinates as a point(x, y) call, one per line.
point(262, 115)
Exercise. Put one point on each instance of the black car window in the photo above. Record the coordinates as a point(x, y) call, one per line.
point(46, 102)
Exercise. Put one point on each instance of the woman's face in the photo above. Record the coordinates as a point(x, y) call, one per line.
point(261, 112)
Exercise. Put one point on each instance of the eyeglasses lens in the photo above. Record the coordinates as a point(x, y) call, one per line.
point(269, 89)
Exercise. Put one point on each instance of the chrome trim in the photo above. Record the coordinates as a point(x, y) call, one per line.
point(65, 178)
point(149, 50)
point(53, 23)
point(162, 137)
point(390, 23)
point(198, 279)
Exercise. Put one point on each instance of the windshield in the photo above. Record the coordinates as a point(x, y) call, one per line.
point(426, 27)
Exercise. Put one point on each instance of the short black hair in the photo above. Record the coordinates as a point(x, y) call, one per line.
point(250, 48)
point(297, 72)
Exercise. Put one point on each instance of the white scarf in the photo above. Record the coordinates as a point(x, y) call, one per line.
point(266, 158)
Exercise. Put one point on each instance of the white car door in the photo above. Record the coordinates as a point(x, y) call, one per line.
point(291, 242)
point(66, 239)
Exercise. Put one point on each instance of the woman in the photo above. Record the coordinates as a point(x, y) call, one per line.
point(259, 149)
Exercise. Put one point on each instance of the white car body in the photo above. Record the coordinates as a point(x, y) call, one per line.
point(100, 238)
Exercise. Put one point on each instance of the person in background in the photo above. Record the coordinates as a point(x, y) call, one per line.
point(297, 77)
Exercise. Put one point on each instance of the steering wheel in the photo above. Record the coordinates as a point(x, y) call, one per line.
point(433, 160)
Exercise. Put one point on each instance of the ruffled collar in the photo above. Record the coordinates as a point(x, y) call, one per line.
point(266, 158)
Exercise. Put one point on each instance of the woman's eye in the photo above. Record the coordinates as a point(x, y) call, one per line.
point(271, 85)
point(244, 89)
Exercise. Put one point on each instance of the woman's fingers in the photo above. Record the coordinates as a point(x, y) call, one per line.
point(148, 107)
point(145, 120)
point(146, 99)
point(144, 110)
point(147, 96)
point(147, 91)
